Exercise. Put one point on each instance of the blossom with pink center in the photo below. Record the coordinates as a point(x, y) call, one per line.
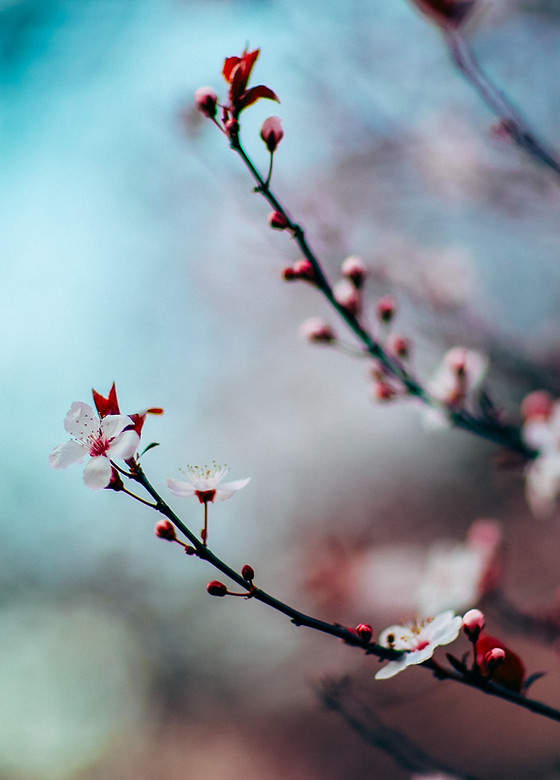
point(111, 438)
point(458, 377)
point(204, 483)
point(418, 640)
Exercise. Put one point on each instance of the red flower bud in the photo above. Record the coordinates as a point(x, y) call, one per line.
point(166, 530)
point(248, 573)
point(510, 672)
point(364, 631)
point(277, 220)
point(399, 346)
point(272, 132)
point(232, 127)
point(354, 270)
point(386, 309)
point(206, 101)
point(216, 588)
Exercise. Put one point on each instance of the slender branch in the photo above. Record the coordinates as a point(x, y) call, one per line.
point(492, 689)
point(511, 121)
point(492, 430)
point(298, 618)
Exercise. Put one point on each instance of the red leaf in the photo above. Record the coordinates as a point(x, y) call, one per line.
point(254, 94)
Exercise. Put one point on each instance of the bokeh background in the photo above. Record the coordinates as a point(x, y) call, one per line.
point(133, 250)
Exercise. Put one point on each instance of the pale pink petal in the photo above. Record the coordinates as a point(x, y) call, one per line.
point(183, 489)
point(227, 490)
point(81, 421)
point(97, 473)
point(113, 424)
point(67, 454)
point(393, 668)
point(124, 446)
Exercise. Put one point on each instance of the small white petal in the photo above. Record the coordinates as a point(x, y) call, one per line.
point(229, 488)
point(81, 421)
point(113, 424)
point(183, 489)
point(392, 668)
point(97, 473)
point(67, 454)
point(124, 446)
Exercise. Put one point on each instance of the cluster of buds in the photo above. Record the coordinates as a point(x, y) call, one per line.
point(302, 269)
point(491, 658)
point(348, 291)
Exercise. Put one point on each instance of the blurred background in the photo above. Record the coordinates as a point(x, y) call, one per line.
point(133, 250)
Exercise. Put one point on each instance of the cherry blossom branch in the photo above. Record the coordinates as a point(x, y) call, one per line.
point(488, 428)
point(296, 617)
point(511, 122)
point(475, 680)
point(359, 637)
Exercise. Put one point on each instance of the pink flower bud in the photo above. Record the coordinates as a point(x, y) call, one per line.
point(216, 588)
point(317, 330)
point(272, 132)
point(399, 346)
point(494, 659)
point(304, 270)
point(248, 573)
point(364, 631)
point(537, 405)
point(473, 623)
point(354, 270)
point(166, 530)
point(206, 101)
point(277, 220)
point(382, 391)
point(232, 127)
point(348, 296)
point(385, 309)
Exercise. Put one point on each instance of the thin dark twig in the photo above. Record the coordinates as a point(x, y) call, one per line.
point(490, 429)
point(511, 121)
point(333, 629)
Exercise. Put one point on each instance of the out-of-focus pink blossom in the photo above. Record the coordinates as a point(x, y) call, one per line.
point(418, 640)
point(459, 375)
point(458, 575)
point(353, 268)
point(348, 296)
point(317, 330)
point(541, 432)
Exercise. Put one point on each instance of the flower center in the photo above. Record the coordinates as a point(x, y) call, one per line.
point(98, 446)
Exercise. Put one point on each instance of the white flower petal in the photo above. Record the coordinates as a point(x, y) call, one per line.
point(124, 446)
point(81, 421)
point(392, 668)
point(67, 454)
point(229, 488)
point(97, 473)
point(113, 424)
point(183, 489)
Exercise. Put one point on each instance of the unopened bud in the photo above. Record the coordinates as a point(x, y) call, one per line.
point(206, 101)
point(537, 405)
point(248, 573)
point(272, 132)
point(166, 530)
point(382, 391)
point(446, 13)
point(278, 221)
point(473, 623)
point(354, 270)
point(494, 659)
point(216, 588)
point(304, 270)
point(399, 346)
point(317, 331)
point(385, 309)
point(232, 127)
point(364, 631)
point(347, 296)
